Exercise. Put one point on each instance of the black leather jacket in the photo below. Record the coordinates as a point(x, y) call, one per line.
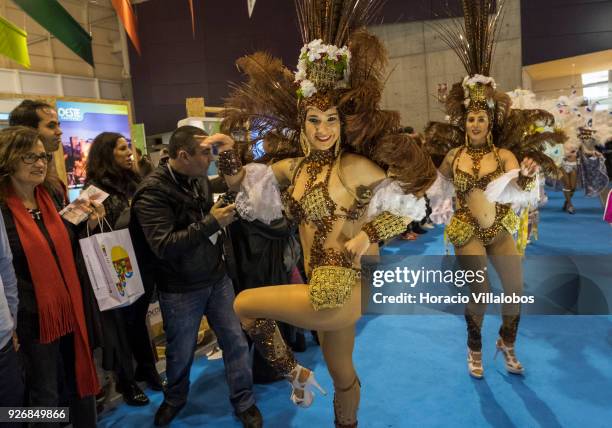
point(171, 228)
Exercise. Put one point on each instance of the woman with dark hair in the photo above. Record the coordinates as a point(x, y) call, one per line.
point(492, 156)
point(110, 168)
point(52, 317)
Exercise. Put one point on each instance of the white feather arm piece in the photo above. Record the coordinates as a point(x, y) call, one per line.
point(389, 196)
point(259, 197)
point(504, 190)
point(441, 194)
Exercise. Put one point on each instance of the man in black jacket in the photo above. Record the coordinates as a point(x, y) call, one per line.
point(177, 232)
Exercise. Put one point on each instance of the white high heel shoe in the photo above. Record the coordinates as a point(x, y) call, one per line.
point(307, 387)
point(474, 361)
point(512, 364)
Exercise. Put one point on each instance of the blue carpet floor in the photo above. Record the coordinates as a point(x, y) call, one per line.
point(413, 367)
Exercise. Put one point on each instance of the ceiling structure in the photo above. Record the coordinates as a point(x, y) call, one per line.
point(572, 66)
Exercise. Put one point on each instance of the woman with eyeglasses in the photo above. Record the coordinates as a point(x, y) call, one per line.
point(110, 167)
point(52, 328)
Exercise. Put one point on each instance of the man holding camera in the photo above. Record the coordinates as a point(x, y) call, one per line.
point(177, 233)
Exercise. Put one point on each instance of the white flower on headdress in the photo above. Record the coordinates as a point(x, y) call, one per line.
point(344, 51)
point(308, 88)
point(332, 52)
point(469, 81)
point(314, 55)
point(315, 44)
point(301, 74)
point(317, 51)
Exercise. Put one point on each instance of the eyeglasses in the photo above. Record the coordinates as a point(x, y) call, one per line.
point(32, 158)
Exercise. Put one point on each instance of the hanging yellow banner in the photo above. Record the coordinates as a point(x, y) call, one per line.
point(13, 43)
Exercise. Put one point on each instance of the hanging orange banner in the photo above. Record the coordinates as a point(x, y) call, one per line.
point(192, 18)
point(126, 14)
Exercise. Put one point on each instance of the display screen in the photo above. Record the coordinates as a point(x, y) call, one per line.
point(81, 122)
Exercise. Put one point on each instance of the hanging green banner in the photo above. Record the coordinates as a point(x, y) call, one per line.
point(13, 43)
point(139, 138)
point(55, 19)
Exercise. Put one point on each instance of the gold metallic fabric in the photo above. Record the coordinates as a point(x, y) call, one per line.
point(315, 204)
point(268, 340)
point(463, 226)
point(526, 183)
point(331, 286)
point(384, 226)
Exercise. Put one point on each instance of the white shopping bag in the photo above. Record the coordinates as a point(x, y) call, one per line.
point(112, 268)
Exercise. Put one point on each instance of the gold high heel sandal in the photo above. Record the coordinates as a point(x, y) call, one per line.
point(512, 364)
point(474, 361)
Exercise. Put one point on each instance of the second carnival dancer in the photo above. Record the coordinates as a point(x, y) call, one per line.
point(346, 180)
point(483, 144)
point(582, 164)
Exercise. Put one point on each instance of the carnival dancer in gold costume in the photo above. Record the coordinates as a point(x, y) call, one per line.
point(483, 143)
point(346, 179)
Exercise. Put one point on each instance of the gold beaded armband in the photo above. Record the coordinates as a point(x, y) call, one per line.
point(384, 226)
point(526, 183)
point(229, 163)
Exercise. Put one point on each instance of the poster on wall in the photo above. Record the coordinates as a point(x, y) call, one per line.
point(81, 123)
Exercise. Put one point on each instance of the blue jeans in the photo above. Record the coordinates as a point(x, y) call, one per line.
point(182, 314)
point(11, 385)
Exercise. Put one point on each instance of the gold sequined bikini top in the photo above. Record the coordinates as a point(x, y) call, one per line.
point(316, 205)
point(318, 208)
point(465, 182)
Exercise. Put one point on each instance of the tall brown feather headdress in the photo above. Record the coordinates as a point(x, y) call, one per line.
point(523, 132)
point(341, 65)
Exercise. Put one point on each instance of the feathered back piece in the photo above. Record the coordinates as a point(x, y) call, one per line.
point(332, 21)
point(265, 105)
point(524, 132)
point(340, 65)
point(474, 43)
point(474, 40)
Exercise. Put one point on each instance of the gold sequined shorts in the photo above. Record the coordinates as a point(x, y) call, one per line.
point(463, 226)
point(331, 286)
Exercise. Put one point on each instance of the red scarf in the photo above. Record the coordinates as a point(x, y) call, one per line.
point(57, 288)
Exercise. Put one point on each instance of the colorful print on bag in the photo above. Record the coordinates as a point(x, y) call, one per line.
point(123, 267)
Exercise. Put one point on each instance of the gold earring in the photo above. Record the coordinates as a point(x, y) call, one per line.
point(467, 139)
point(337, 146)
point(490, 139)
point(304, 144)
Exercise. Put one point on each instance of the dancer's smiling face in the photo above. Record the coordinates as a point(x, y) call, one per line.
point(477, 127)
point(322, 128)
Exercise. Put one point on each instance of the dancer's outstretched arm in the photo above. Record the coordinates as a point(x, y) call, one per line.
point(283, 170)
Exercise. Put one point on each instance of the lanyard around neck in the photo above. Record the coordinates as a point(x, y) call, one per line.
point(194, 192)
